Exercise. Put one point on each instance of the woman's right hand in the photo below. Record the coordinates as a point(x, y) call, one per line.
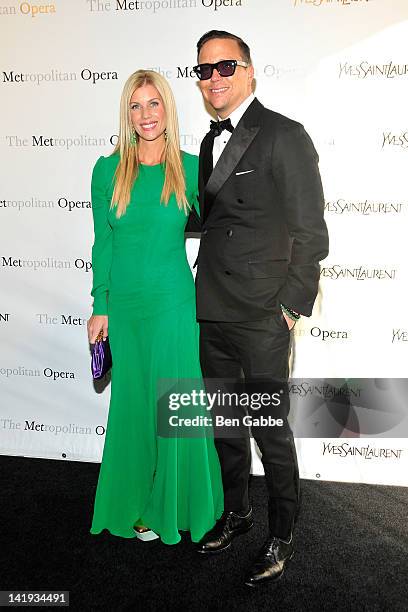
point(95, 324)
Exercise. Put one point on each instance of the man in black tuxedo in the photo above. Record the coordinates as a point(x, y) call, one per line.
point(262, 238)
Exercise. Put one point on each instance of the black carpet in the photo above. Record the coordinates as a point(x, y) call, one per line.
point(351, 549)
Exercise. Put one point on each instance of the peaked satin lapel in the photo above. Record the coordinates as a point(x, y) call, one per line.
point(205, 167)
point(235, 148)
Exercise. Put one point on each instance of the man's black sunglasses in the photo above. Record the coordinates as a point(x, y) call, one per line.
point(225, 68)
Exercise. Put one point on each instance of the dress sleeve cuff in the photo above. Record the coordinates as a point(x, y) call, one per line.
point(100, 304)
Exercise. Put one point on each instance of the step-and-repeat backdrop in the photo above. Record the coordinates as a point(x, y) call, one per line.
point(340, 67)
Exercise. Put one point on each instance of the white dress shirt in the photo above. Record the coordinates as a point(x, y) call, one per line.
point(221, 140)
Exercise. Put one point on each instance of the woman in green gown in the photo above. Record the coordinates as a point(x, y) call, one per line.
point(143, 292)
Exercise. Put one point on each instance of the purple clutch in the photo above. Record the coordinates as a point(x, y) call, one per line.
point(101, 357)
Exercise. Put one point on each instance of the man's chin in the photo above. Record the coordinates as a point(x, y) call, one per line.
point(222, 111)
point(218, 104)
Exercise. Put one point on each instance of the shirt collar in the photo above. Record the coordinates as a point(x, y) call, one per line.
point(236, 115)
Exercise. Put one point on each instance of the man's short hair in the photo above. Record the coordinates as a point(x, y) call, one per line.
point(243, 47)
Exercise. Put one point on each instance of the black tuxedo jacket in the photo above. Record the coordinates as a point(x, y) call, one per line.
point(263, 232)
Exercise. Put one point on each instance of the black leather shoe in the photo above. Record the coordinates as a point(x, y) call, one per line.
point(270, 563)
point(228, 527)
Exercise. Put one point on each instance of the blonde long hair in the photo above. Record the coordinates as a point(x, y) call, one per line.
point(128, 167)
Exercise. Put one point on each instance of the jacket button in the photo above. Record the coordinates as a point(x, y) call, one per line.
point(227, 272)
point(240, 201)
point(229, 233)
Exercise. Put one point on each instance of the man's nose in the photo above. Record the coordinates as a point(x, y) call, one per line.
point(215, 75)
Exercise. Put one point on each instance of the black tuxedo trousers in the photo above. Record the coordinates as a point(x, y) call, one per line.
point(256, 351)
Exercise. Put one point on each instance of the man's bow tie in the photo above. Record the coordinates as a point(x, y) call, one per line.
point(218, 126)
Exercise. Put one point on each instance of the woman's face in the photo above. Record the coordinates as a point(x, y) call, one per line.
point(147, 113)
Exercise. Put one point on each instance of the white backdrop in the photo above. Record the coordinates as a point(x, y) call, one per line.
point(340, 67)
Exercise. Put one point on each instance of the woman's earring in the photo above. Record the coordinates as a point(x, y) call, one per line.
point(165, 133)
point(133, 138)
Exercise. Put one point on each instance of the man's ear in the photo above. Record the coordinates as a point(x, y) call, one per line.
point(251, 73)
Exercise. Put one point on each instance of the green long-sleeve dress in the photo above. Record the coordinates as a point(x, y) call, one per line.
point(142, 281)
